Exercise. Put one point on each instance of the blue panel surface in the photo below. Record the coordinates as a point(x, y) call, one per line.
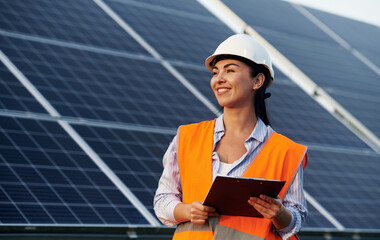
point(346, 184)
point(276, 16)
point(74, 21)
point(359, 35)
point(183, 37)
point(14, 96)
point(134, 156)
point(315, 219)
point(296, 115)
point(105, 87)
point(45, 178)
point(200, 78)
point(179, 7)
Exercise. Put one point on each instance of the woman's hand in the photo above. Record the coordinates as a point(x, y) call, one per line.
point(272, 208)
point(196, 212)
point(199, 213)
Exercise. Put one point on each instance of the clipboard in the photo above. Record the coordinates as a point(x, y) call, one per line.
point(229, 195)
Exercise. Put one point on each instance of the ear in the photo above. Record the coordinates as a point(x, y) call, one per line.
point(258, 81)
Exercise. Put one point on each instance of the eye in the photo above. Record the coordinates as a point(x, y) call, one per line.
point(214, 73)
point(230, 70)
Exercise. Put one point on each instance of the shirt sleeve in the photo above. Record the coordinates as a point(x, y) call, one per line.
point(169, 191)
point(295, 202)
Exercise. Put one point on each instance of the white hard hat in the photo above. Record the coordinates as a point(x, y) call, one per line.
point(245, 46)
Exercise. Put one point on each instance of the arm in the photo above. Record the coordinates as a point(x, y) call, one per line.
point(169, 192)
point(294, 203)
point(167, 201)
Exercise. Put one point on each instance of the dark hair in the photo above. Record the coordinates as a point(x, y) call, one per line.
point(261, 95)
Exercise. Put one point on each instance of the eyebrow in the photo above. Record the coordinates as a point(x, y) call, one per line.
point(227, 65)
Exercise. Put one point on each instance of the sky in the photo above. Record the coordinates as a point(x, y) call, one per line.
point(363, 10)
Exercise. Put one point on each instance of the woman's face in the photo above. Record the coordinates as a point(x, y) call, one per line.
point(232, 84)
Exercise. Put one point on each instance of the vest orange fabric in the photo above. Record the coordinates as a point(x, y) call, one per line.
point(278, 159)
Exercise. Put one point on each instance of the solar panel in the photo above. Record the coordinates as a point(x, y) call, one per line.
point(361, 36)
point(296, 115)
point(178, 7)
point(47, 178)
point(105, 87)
point(81, 22)
point(315, 219)
point(331, 65)
point(134, 156)
point(200, 77)
point(14, 96)
point(182, 37)
point(346, 184)
point(272, 16)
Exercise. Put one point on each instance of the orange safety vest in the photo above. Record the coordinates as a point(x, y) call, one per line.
point(278, 159)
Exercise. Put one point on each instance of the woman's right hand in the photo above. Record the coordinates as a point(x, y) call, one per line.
point(195, 212)
point(199, 213)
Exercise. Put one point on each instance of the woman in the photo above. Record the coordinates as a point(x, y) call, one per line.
point(238, 143)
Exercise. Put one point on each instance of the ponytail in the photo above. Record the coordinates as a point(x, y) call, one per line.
point(261, 95)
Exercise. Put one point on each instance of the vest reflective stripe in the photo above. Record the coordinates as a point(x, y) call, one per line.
point(221, 232)
point(278, 159)
point(226, 233)
point(188, 226)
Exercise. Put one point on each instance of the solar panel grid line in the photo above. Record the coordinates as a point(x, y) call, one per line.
point(220, 10)
point(156, 55)
point(301, 79)
point(89, 122)
point(167, 10)
point(76, 187)
point(336, 37)
point(14, 205)
point(110, 174)
point(323, 211)
point(21, 77)
point(51, 110)
point(313, 146)
point(45, 182)
point(191, 87)
point(123, 126)
point(366, 61)
point(79, 184)
point(78, 46)
point(31, 194)
point(36, 198)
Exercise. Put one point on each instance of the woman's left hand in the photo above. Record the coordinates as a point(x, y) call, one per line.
point(269, 207)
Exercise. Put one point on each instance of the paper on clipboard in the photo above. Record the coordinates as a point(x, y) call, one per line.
point(229, 195)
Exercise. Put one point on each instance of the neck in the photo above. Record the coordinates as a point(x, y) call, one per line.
point(239, 120)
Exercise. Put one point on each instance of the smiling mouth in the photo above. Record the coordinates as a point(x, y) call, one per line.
point(222, 90)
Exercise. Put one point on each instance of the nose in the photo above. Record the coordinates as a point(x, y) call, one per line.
point(219, 78)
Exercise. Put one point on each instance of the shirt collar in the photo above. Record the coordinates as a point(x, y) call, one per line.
point(259, 132)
